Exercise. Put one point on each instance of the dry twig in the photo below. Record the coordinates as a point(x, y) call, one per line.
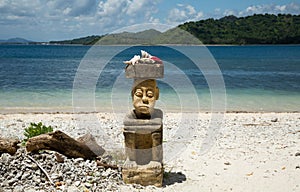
point(41, 168)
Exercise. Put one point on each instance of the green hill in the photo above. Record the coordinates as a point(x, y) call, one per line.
point(256, 29)
point(144, 37)
point(89, 40)
point(150, 37)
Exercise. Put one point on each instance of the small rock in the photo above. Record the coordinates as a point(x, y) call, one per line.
point(97, 174)
point(12, 181)
point(68, 181)
point(59, 183)
point(297, 167)
point(78, 160)
point(89, 178)
point(5, 158)
point(227, 163)
point(106, 173)
point(73, 189)
point(77, 183)
point(19, 174)
point(88, 185)
point(274, 120)
point(30, 189)
point(56, 177)
point(25, 176)
point(59, 158)
point(18, 188)
point(297, 154)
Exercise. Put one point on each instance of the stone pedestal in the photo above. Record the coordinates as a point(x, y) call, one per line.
point(149, 174)
point(143, 145)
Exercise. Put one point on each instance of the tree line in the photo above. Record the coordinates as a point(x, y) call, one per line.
point(255, 29)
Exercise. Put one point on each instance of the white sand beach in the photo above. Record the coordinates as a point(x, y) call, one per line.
point(252, 151)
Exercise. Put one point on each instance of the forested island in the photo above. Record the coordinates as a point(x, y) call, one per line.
point(255, 29)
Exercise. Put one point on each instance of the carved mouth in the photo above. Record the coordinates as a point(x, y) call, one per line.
point(144, 107)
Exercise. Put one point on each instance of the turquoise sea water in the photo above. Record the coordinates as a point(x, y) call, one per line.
point(43, 78)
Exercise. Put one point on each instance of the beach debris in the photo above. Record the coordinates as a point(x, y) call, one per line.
point(18, 174)
point(90, 141)
point(106, 165)
point(41, 168)
point(9, 146)
point(227, 163)
point(257, 124)
point(59, 158)
point(249, 174)
point(145, 58)
point(71, 147)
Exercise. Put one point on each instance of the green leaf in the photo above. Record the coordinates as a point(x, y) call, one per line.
point(35, 130)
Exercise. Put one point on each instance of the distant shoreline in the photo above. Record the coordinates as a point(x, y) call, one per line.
point(201, 45)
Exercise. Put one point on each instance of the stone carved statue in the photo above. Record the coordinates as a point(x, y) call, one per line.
point(143, 128)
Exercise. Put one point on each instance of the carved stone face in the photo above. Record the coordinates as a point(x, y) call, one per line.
point(144, 96)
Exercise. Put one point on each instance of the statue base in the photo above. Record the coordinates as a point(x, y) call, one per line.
point(143, 145)
point(149, 174)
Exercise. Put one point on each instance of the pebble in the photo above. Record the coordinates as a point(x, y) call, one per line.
point(77, 183)
point(19, 174)
point(88, 185)
point(73, 189)
point(18, 188)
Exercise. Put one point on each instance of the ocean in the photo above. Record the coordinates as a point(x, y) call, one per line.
point(69, 78)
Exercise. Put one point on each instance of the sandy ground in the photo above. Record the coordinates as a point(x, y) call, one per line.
point(246, 151)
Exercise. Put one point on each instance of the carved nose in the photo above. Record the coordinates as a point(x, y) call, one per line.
point(145, 100)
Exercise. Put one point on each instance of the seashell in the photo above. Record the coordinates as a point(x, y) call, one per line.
point(145, 54)
point(146, 60)
point(133, 60)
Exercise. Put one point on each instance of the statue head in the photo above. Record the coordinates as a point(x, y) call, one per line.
point(144, 95)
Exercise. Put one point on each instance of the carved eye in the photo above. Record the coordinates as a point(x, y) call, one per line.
point(150, 94)
point(138, 93)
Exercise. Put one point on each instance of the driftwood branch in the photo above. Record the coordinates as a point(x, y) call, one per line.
point(42, 169)
point(9, 146)
point(64, 144)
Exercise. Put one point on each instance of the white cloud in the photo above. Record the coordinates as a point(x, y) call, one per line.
point(65, 19)
point(228, 12)
point(184, 13)
point(292, 8)
point(191, 10)
point(117, 13)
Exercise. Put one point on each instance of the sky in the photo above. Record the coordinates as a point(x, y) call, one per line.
point(46, 20)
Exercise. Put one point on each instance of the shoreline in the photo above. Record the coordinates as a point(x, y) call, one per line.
point(50, 112)
point(208, 45)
